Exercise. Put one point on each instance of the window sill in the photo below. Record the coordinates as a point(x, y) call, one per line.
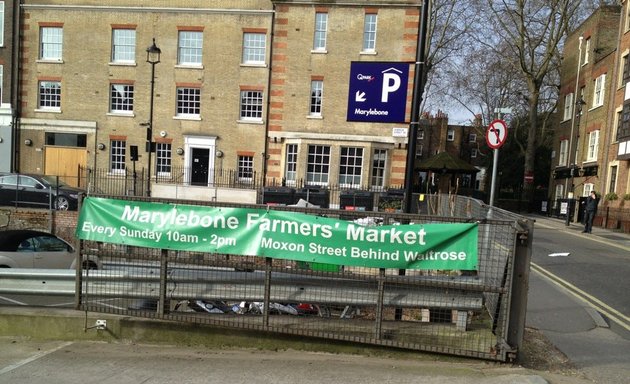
point(315, 117)
point(123, 64)
point(55, 110)
point(189, 66)
point(121, 114)
point(319, 51)
point(595, 107)
point(254, 65)
point(187, 117)
point(256, 122)
point(50, 61)
point(368, 53)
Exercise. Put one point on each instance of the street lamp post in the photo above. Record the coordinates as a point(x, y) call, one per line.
point(573, 168)
point(418, 89)
point(153, 57)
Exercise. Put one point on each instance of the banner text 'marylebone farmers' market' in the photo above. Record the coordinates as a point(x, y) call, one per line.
point(279, 234)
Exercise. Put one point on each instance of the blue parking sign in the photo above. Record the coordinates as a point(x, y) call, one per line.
point(378, 92)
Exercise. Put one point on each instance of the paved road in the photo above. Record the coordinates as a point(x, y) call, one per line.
point(574, 319)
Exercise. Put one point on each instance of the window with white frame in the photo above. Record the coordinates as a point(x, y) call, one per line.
point(450, 134)
point(121, 98)
point(317, 92)
point(624, 127)
point(245, 168)
point(473, 153)
point(290, 171)
point(124, 45)
point(1, 83)
point(612, 185)
point(188, 101)
point(379, 160)
point(421, 134)
point(318, 164)
point(617, 125)
point(251, 105)
point(350, 166)
point(598, 93)
point(254, 46)
point(369, 32)
point(593, 145)
point(559, 191)
point(588, 187)
point(51, 43)
point(49, 95)
point(117, 154)
point(564, 152)
point(624, 70)
point(587, 50)
point(321, 26)
point(189, 48)
point(163, 158)
point(2, 23)
point(419, 149)
point(568, 106)
point(472, 138)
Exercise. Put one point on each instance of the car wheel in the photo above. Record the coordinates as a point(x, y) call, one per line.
point(89, 265)
point(62, 203)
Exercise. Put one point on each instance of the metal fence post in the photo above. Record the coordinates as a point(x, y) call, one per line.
point(378, 329)
point(78, 267)
point(520, 285)
point(267, 288)
point(78, 282)
point(162, 305)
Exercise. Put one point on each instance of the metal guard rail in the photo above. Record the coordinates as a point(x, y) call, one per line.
point(249, 286)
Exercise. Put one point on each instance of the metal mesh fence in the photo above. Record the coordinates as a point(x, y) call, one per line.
point(454, 312)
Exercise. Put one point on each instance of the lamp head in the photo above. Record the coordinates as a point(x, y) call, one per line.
point(153, 53)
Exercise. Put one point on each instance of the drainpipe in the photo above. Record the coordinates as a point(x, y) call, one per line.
point(573, 117)
point(16, 86)
point(266, 152)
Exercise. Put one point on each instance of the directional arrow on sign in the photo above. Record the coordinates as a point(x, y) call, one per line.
point(496, 134)
point(359, 96)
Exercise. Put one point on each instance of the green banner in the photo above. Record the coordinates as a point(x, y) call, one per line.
point(278, 234)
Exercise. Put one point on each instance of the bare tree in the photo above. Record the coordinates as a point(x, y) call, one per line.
point(449, 28)
point(530, 34)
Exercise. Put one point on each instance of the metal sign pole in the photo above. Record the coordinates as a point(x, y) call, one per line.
point(499, 129)
point(495, 161)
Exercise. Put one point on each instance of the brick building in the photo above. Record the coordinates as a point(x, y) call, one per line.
point(582, 137)
point(259, 87)
point(617, 154)
point(464, 142)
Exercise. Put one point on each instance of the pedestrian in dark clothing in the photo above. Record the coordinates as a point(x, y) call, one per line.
point(591, 209)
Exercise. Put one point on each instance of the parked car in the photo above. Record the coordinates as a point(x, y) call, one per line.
point(25, 248)
point(37, 191)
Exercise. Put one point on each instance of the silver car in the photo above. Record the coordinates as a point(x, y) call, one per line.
point(27, 248)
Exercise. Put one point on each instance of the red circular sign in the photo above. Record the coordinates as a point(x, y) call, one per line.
point(496, 134)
